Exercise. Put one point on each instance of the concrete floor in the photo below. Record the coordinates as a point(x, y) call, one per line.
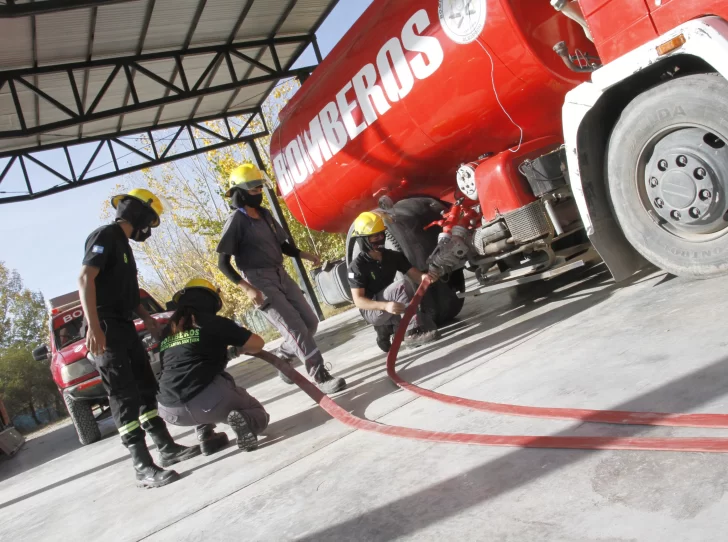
point(656, 343)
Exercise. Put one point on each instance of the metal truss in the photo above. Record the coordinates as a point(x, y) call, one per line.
point(11, 8)
point(181, 140)
point(199, 87)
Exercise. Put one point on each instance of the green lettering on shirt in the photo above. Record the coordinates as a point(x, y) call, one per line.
point(184, 337)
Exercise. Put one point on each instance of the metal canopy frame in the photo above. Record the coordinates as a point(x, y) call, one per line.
point(233, 57)
point(134, 68)
point(126, 66)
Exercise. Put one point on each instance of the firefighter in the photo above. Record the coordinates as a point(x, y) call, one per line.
point(109, 293)
point(380, 299)
point(194, 388)
point(258, 244)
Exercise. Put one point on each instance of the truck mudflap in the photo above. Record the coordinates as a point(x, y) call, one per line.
point(705, 38)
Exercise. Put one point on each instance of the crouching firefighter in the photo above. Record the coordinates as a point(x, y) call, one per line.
point(380, 299)
point(194, 388)
point(109, 293)
point(258, 243)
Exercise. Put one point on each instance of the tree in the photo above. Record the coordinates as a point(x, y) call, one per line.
point(24, 382)
point(193, 189)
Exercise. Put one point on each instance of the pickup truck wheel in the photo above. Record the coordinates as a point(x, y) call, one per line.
point(667, 175)
point(83, 419)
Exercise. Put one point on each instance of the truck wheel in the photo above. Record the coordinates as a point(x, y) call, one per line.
point(83, 419)
point(667, 175)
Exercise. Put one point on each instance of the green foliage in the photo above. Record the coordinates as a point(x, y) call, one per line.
point(25, 384)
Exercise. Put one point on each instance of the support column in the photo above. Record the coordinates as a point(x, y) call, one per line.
point(275, 209)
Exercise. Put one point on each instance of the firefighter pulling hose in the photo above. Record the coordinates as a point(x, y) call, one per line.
point(692, 444)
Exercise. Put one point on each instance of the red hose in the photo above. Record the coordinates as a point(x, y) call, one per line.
point(717, 445)
point(579, 414)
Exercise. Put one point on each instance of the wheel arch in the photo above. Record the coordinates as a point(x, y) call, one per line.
point(592, 110)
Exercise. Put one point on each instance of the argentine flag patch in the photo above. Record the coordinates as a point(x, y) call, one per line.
point(97, 249)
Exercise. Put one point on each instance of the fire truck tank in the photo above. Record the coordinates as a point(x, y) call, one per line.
point(413, 90)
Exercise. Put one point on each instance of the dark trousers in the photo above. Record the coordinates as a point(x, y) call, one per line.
point(213, 404)
point(129, 380)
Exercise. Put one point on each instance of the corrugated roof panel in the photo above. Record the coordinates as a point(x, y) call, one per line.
point(62, 36)
point(250, 96)
point(286, 52)
point(214, 104)
point(242, 67)
point(58, 86)
point(177, 112)
point(27, 104)
point(16, 47)
point(149, 89)
point(114, 95)
point(217, 22)
point(15, 143)
point(195, 66)
point(8, 118)
point(114, 39)
point(139, 119)
point(170, 23)
point(59, 136)
point(303, 16)
point(99, 127)
point(261, 19)
point(222, 76)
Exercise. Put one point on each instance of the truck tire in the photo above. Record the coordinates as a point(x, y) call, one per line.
point(667, 175)
point(83, 419)
point(408, 236)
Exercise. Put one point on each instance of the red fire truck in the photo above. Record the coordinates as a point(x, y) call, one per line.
point(517, 138)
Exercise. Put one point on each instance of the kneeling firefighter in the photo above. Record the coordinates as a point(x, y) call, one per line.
point(258, 243)
point(380, 299)
point(109, 293)
point(194, 388)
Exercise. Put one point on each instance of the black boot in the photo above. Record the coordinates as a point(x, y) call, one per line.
point(384, 337)
point(210, 442)
point(147, 473)
point(246, 438)
point(169, 451)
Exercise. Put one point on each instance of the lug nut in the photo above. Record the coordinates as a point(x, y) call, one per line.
point(705, 195)
point(675, 215)
point(695, 212)
point(682, 161)
point(662, 165)
point(653, 182)
point(699, 173)
point(659, 203)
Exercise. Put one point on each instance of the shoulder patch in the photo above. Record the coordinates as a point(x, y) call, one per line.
point(97, 249)
point(351, 275)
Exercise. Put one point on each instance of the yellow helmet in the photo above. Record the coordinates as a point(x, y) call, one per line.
point(146, 197)
point(199, 283)
point(246, 177)
point(368, 223)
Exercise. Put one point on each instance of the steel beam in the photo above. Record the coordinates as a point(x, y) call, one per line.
point(157, 157)
point(126, 67)
point(13, 9)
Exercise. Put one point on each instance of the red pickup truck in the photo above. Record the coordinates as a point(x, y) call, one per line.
point(74, 373)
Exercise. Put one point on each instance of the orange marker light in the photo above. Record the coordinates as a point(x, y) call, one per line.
point(669, 46)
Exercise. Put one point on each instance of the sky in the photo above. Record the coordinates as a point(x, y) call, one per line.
point(44, 239)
